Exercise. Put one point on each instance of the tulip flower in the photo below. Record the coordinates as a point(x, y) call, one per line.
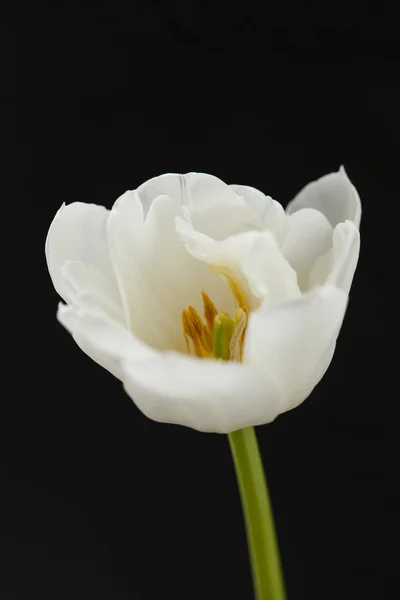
point(215, 307)
point(184, 243)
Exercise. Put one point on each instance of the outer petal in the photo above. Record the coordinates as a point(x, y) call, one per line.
point(294, 342)
point(214, 207)
point(308, 236)
point(103, 339)
point(190, 189)
point(338, 265)
point(207, 395)
point(158, 278)
point(89, 288)
point(170, 184)
point(346, 249)
point(270, 211)
point(334, 195)
point(78, 233)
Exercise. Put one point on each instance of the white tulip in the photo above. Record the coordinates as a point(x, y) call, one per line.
point(129, 275)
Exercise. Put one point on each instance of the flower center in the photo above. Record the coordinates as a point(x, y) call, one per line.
point(219, 335)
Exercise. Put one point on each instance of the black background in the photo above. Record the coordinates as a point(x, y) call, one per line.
point(97, 501)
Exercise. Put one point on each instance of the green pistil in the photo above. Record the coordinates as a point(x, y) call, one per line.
point(223, 329)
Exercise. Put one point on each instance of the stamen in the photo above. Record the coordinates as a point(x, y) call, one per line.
point(200, 329)
point(198, 338)
point(192, 340)
point(237, 340)
point(210, 312)
point(223, 336)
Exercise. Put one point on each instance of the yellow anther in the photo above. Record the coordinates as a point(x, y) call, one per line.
point(237, 340)
point(201, 330)
point(192, 340)
point(195, 320)
point(222, 337)
point(210, 312)
point(198, 338)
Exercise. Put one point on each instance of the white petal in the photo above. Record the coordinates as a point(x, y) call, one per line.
point(214, 252)
point(346, 249)
point(228, 253)
point(202, 190)
point(207, 395)
point(258, 201)
point(100, 337)
point(338, 265)
point(269, 274)
point(271, 212)
point(78, 233)
point(88, 288)
point(158, 279)
point(293, 342)
point(334, 195)
point(308, 236)
point(169, 184)
point(253, 258)
point(190, 189)
point(214, 207)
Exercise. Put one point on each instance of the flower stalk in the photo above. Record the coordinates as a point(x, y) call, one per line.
point(261, 537)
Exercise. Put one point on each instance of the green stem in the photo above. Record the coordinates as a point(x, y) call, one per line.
point(261, 537)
